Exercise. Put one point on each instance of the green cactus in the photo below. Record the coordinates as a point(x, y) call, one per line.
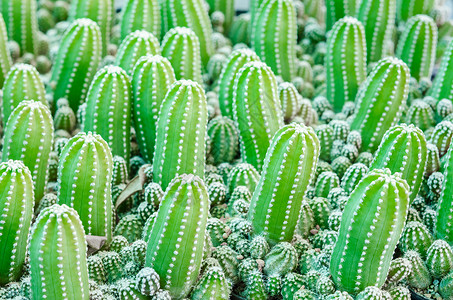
point(443, 81)
point(439, 259)
point(213, 283)
point(257, 111)
point(417, 46)
point(380, 101)
point(228, 10)
point(416, 236)
point(345, 60)
point(140, 15)
point(76, 62)
point(446, 287)
point(352, 177)
point(290, 100)
point(84, 177)
point(420, 277)
point(223, 138)
point(385, 197)
point(405, 9)
point(441, 136)
point(336, 10)
point(5, 57)
point(294, 148)
point(240, 29)
point(58, 266)
point(281, 260)
point(325, 182)
point(420, 114)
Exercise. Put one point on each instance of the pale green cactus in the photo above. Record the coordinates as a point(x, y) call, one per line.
point(380, 101)
point(444, 225)
point(290, 100)
point(5, 57)
point(417, 46)
point(228, 10)
point(175, 246)
point(29, 137)
point(294, 148)
point(274, 36)
point(345, 61)
point(57, 248)
point(443, 81)
point(405, 9)
point(213, 283)
point(181, 133)
point(240, 29)
point(362, 238)
point(141, 15)
point(336, 10)
point(84, 177)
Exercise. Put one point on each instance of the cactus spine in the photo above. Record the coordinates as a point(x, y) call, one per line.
point(177, 238)
point(257, 111)
point(417, 46)
point(109, 108)
point(77, 61)
point(151, 80)
point(85, 176)
point(345, 61)
point(295, 149)
point(141, 15)
point(379, 108)
point(16, 205)
point(181, 133)
point(29, 137)
point(5, 57)
point(274, 36)
point(443, 82)
point(371, 226)
point(336, 10)
point(57, 248)
point(409, 8)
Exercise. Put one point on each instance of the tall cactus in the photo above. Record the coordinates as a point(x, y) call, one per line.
point(345, 61)
point(141, 15)
point(84, 179)
point(444, 226)
point(177, 238)
point(274, 36)
point(151, 80)
point(109, 109)
point(443, 82)
point(378, 18)
point(181, 133)
point(182, 48)
point(371, 226)
point(257, 111)
point(417, 46)
point(22, 83)
point(380, 101)
point(338, 9)
point(295, 149)
point(58, 267)
point(403, 149)
point(29, 138)
point(76, 62)
point(16, 205)
point(5, 57)
point(405, 9)
point(21, 23)
point(191, 14)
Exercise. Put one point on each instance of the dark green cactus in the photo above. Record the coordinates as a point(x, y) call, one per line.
point(141, 15)
point(439, 259)
point(420, 277)
point(336, 10)
point(441, 136)
point(224, 139)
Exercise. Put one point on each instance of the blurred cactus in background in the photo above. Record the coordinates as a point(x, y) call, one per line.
point(141, 15)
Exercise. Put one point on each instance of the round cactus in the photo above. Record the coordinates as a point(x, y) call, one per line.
point(352, 176)
point(441, 136)
point(281, 260)
point(416, 236)
point(420, 114)
point(224, 139)
point(141, 15)
point(443, 81)
point(213, 283)
point(439, 259)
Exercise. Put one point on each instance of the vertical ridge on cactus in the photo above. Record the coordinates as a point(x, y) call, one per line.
point(58, 267)
point(76, 62)
point(151, 79)
point(409, 8)
point(141, 15)
point(16, 206)
point(274, 36)
point(338, 9)
point(85, 176)
point(417, 46)
point(257, 111)
point(345, 61)
point(181, 133)
point(29, 138)
point(371, 226)
point(177, 238)
point(443, 82)
point(288, 170)
point(5, 57)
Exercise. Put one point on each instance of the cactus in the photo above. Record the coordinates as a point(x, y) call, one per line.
point(417, 46)
point(352, 176)
point(420, 114)
point(21, 83)
point(441, 136)
point(240, 29)
point(76, 62)
point(294, 147)
point(257, 111)
point(290, 100)
point(191, 14)
point(443, 81)
point(420, 277)
point(345, 61)
point(109, 105)
point(361, 238)
point(16, 204)
point(29, 137)
point(186, 195)
point(212, 283)
point(325, 182)
point(378, 18)
point(141, 15)
point(281, 260)
point(407, 9)
point(84, 177)
point(336, 10)
point(439, 259)
point(224, 139)
point(274, 36)
point(135, 45)
point(58, 266)
point(416, 236)
point(446, 286)
point(380, 108)
point(185, 103)
point(65, 118)
point(5, 57)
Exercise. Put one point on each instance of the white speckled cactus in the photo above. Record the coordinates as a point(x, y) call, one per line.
point(177, 238)
point(141, 15)
point(338, 9)
point(409, 8)
point(58, 268)
point(5, 57)
point(16, 206)
point(288, 169)
point(85, 176)
point(443, 82)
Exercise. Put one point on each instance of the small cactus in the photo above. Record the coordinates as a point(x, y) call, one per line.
point(289, 99)
point(224, 139)
point(141, 15)
point(213, 283)
point(439, 259)
point(443, 81)
point(281, 260)
point(226, 7)
point(420, 277)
